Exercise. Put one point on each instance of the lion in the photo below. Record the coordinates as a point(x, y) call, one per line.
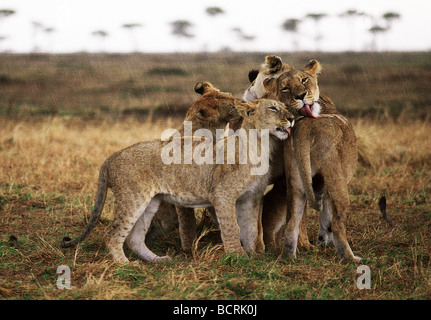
point(272, 68)
point(140, 179)
point(274, 202)
point(212, 111)
point(320, 159)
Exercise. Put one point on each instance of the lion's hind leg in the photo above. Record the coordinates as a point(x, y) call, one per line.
point(126, 213)
point(325, 235)
point(337, 191)
point(187, 227)
point(337, 201)
point(295, 210)
point(136, 239)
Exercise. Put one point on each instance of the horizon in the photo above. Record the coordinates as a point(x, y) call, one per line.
point(71, 26)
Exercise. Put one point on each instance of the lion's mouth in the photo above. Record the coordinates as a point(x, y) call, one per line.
point(307, 111)
point(284, 130)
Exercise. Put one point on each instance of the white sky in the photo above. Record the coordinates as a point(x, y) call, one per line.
point(74, 20)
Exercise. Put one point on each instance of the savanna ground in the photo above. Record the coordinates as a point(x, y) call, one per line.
point(61, 116)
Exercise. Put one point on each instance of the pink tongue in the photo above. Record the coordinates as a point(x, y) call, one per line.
point(306, 111)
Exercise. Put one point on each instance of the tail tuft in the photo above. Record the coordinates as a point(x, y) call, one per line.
point(382, 207)
point(66, 242)
point(102, 190)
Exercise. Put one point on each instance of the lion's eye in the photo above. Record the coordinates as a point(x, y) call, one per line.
point(273, 108)
point(304, 80)
point(285, 89)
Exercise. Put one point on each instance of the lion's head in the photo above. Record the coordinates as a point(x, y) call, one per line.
point(272, 68)
point(213, 110)
point(267, 114)
point(297, 89)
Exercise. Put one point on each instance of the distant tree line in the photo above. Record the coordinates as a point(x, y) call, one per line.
point(183, 28)
point(291, 26)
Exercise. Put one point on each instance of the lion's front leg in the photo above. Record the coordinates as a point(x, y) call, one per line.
point(274, 213)
point(187, 227)
point(249, 215)
point(274, 217)
point(229, 228)
point(296, 205)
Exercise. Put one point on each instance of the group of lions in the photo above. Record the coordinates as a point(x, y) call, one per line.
point(312, 156)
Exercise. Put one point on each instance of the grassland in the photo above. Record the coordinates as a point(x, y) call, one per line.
point(61, 116)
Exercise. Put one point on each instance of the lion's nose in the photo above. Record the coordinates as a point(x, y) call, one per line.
point(300, 96)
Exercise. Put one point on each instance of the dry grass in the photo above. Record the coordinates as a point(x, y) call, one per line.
point(49, 172)
point(61, 116)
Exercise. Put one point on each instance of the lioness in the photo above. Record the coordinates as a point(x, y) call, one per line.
point(274, 202)
point(272, 68)
point(319, 161)
point(140, 179)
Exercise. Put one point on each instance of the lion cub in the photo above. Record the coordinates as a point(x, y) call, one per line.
point(213, 111)
point(140, 179)
point(320, 160)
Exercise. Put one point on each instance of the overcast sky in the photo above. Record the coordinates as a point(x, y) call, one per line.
point(74, 21)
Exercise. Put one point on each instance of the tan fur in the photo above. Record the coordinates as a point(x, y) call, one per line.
point(274, 202)
point(272, 68)
point(212, 111)
point(140, 180)
point(322, 149)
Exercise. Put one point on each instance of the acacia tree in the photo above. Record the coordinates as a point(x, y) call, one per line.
point(390, 17)
point(242, 36)
point(131, 27)
point(352, 16)
point(375, 31)
point(37, 27)
point(291, 26)
point(4, 13)
point(180, 29)
point(101, 34)
point(318, 35)
point(49, 31)
point(214, 12)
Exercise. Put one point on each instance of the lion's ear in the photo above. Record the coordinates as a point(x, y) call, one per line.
point(252, 75)
point(245, 109)
point(273, 64)
point(269, 83)
point(204, 87)
point(313, 67)
point(202, 114)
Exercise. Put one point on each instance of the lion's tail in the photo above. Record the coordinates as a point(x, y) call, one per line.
point(102, 190)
